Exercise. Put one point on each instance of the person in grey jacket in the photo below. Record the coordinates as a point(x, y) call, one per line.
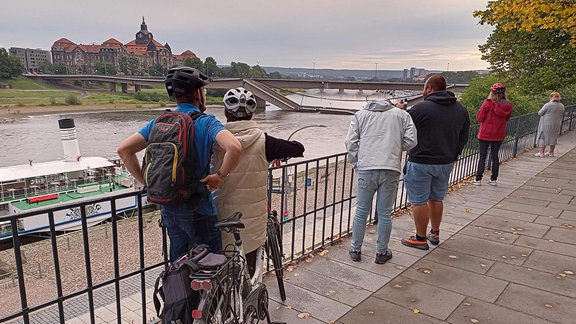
point(551, 116)
point(377, 136)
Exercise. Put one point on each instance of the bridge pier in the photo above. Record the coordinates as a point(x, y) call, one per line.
point(112, 86)
point(124, 87)
point(340, 91)
point(260, 104)
point(137, 88)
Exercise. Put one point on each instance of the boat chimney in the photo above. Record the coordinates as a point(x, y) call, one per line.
point(69, 140)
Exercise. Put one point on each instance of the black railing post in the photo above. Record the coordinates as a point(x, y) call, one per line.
point(86, 241)
point(20, 271)
point(571, 118)
point(516, 138)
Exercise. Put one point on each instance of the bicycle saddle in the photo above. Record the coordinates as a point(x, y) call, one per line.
point(231, 222)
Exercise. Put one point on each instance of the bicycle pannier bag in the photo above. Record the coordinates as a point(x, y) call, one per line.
point(173, 285)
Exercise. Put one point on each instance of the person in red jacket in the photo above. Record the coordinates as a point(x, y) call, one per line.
point(493, 115)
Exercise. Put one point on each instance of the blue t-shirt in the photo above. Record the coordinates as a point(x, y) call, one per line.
point(206, 127)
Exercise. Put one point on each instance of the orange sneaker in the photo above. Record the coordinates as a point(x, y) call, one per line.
point(414, 243)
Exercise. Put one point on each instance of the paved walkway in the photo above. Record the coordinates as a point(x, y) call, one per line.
point(507, 255)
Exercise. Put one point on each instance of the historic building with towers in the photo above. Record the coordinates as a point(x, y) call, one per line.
point(138, 56)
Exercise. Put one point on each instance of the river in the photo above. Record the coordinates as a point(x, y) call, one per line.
point(37, 138)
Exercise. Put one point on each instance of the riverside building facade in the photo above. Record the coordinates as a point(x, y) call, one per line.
point(137, 57)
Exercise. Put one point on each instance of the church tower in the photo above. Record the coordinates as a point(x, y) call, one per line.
point(143, 37)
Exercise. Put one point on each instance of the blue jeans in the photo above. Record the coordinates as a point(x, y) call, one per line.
point(385, 183)
point(187, 229)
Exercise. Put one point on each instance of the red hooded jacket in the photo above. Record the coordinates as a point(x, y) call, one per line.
point(493, 117)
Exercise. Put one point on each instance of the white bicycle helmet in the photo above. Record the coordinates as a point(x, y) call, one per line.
point(240, 102)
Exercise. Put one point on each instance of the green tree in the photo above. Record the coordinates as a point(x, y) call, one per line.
point(157, 70)
point(537, 62)
point(133, 66)
point(533, 45)
point(531, 15)
point(194, 62)
point(211, 67)
point(257, 72)
point(239, 70)
point(459, 77)
point(46, 67)
point(123, 64)
point(60, 68)
point(479, 89)
point(105, 68)
point(10, 66)
point(277, 75)
point(225, 72)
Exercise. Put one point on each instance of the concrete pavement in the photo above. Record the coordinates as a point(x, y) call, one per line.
point(507, 254)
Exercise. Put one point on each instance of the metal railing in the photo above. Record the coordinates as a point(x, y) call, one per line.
point(74, 274)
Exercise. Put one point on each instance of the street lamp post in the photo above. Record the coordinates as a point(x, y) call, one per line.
point(286, 183)
point(301, 128)
point(313, 69)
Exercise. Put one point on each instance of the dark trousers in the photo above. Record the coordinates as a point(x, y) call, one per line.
point(494, 148)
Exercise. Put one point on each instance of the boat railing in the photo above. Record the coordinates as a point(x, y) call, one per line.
point(20, 190)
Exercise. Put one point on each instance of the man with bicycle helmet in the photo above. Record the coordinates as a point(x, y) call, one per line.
point(245, 189)
point(189, 226)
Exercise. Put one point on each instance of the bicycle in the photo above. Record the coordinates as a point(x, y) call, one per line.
point(229, 294)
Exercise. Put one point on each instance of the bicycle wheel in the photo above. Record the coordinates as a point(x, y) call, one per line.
point(274, 250)
point(222, 304)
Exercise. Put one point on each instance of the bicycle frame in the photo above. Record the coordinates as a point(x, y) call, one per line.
point(233, 295)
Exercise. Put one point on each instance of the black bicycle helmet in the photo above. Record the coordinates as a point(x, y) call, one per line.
point(183, 79)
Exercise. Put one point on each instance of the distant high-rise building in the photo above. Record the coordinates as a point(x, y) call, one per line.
point(30, 58)
point(405, 74)
point(414, 73)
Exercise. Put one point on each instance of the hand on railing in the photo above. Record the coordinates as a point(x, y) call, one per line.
point(276, 163)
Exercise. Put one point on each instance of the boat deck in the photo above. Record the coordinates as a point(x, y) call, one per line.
point(82, 191)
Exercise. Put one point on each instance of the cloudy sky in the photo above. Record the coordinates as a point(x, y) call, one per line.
point(339, 34)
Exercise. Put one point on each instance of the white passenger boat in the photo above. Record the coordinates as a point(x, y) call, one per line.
point(36, 186)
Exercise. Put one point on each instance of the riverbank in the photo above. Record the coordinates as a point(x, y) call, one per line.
point(10, 112)
point(15, 111)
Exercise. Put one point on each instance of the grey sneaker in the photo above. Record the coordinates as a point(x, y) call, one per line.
point(492, 182)
point(476, 182)
point(434, 239)
point(355, 255)
point(382, 258)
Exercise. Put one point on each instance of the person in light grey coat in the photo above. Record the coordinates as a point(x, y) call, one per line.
point(551, 116)
point(377, 136)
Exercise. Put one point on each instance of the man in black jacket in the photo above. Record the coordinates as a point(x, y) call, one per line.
point(443, 126)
